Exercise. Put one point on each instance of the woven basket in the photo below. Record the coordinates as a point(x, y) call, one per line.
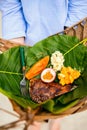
point(80, 31)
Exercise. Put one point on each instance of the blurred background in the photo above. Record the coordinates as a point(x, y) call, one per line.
point(72, 122)
point(0, 25)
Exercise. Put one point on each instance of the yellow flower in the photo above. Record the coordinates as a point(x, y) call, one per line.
point(68, 75)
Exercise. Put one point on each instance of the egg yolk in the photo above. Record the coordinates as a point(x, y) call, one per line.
point(48, 75)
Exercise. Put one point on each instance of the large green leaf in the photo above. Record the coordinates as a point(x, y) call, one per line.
point(75, 54)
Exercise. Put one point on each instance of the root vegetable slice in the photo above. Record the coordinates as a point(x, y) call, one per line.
point(37, 68)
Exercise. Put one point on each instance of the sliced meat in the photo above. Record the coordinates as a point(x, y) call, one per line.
point(40, 91)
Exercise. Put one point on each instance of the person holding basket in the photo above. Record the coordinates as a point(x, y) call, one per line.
point(28, 22)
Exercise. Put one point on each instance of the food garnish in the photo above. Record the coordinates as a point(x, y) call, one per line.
point(48, 75)
point(68, 75)
point(37, 68)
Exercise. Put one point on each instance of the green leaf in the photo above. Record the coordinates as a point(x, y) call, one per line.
point(57, 107)
point(75, 54)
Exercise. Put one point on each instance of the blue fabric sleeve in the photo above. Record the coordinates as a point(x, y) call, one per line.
point(13, 21)
point(77, 10)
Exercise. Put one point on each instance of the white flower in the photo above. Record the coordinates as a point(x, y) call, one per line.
point(57, 60)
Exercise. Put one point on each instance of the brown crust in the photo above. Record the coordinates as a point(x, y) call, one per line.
point(40, 91)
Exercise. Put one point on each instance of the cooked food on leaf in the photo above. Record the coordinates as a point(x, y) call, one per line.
point(48, 75)
point(68, 75)
point(46, 88)
point(64, 55)
point(57, 60)
point(40, 91)
point(37, 68)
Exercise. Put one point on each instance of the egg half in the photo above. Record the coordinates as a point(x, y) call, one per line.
point(48, 75)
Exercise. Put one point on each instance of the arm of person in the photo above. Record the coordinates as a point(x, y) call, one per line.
point(13, 22)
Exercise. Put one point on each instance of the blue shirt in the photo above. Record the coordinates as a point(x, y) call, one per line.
point(37, 19)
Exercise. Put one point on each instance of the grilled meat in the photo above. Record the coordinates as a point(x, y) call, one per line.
point(40, 91)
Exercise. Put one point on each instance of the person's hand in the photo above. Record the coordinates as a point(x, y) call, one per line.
point(18, 40)
point(35, 126)
point(55, 124)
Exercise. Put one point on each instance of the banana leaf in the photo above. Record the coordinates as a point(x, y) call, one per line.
point(75, 54)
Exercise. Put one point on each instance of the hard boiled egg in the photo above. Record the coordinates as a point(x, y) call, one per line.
point(48, 75)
